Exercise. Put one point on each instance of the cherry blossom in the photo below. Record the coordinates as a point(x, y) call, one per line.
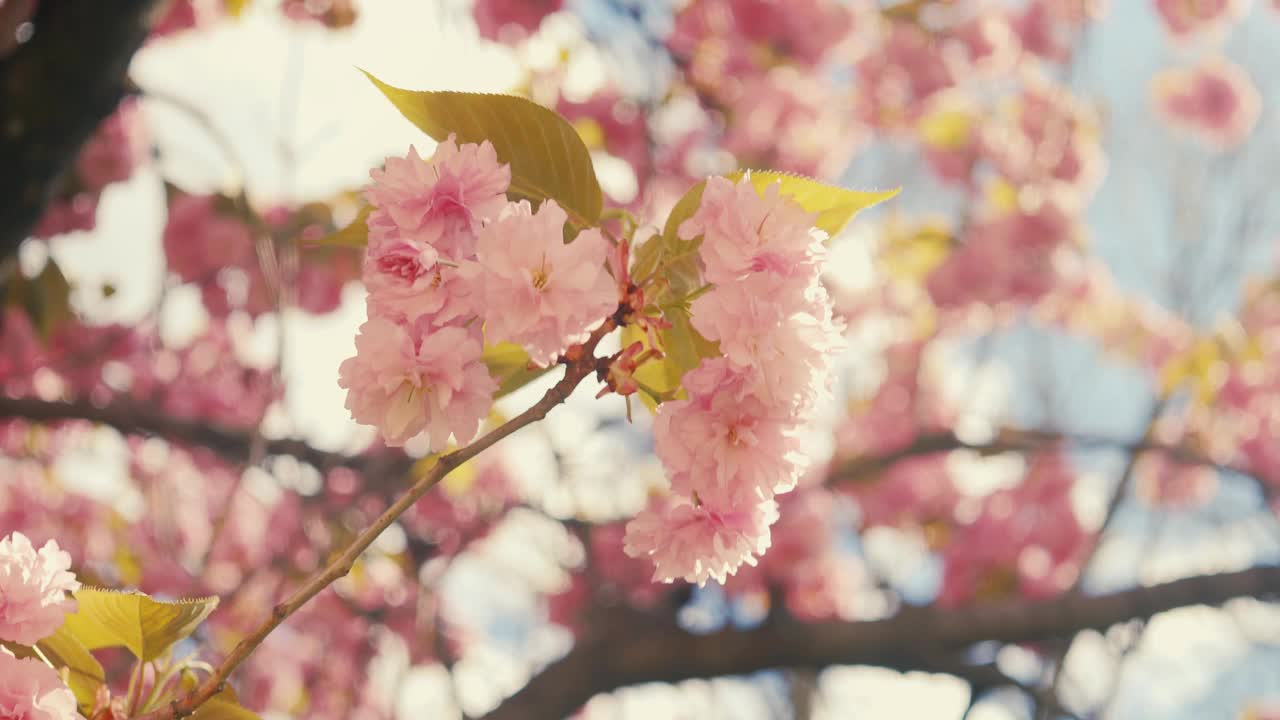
point(727, 448)
point(512, 19)
point(1185, 18)
point(1214, 101)
point(199, 240)
point(743, 232)
point(31, 690)
point(698, 543)
point(537, 290)
point(33, 589)
point(439, 202)
point(404, 381)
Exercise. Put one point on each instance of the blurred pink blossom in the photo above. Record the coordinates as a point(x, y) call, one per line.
point(1214, 101)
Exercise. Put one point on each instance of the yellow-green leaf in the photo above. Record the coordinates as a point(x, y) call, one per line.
point(147, 627)
point(509, 364)
point(355, 234)
point(45, 297)
point(82, 671)
point(835, 206)
point(547, 157)
point(223, 706)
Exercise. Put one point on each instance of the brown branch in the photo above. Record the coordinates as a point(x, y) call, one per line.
point(236, 445)
point(232, 444)
point(342, 564)
point(1022, 441)
point(57, 89)
point(617, 654)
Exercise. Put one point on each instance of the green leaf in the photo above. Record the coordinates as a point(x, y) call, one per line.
point(548, 159)
point(83, 672)
point(45, 297)
point(835, 206)
point(355, 234)
point(147, 627)
point(223, 706)
point(509, 365)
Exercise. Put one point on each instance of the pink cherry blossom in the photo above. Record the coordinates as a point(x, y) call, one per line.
point(784, 120)
point(442, 201)
point(31, 690)
point(1049, 28)
point(697, 543)
point(406, 281)
point(1025, 540)
point(717, 35)
point(1184, 18)
point(743, 232)
point(199, 241)
point(114, 150)
point(1006, 258)
point(404, 381)
point(1214, 101)
point(907, 68)
point(33, 589)
point(23, 353)
point(512, 20)
point(537, 290)
point(780, 325)
point(61, 216)
point(804, 560)
point(728, 448)
point(1047, 138)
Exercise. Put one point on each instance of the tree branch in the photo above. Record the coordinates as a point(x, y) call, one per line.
point(342, 564)
point(615, 654)
point(57, 89)
point(1011, 440)
point(233, 445)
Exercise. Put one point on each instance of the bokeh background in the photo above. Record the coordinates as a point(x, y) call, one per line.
point(1079, 268)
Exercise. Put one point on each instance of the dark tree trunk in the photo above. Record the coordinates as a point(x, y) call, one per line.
point(54, 91)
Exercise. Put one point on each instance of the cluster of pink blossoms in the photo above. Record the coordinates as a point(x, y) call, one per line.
point(33, 603)
point(732, 445)
point(451, 265)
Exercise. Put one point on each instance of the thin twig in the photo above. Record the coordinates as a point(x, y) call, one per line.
point(342, 564)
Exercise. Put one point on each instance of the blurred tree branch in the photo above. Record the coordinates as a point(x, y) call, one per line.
point(56, 89)
point(237, 445)
point(234, 445)
point(866, 467)
point(641, 649)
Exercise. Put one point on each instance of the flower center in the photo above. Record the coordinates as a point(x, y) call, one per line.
point(539, 277)
point(733, 437)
